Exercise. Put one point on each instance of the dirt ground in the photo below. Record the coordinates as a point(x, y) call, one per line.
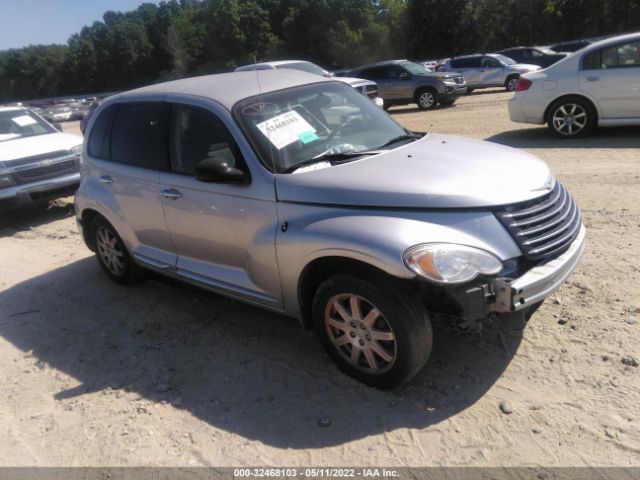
point(94, 374)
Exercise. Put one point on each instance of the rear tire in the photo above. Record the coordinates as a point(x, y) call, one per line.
point(511, 83)
point(379, 335)
point(112, 254)
point(571, 117)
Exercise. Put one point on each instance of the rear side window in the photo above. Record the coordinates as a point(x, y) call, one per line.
point(139, 135)
point(471, 62)
point(197, 134)
point(99, 139)
point(618, 56)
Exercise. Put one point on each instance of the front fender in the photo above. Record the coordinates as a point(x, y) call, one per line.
point(377, 237)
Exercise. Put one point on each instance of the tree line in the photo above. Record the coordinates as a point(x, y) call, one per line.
point(179, 38)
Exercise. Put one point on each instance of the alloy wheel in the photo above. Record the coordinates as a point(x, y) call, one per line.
point(426, 100)
point(360, 333)
point(110, 250)
point(512, 84)
point(569, 119)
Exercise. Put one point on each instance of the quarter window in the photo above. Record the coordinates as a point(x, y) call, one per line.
point(138, 136)
point(99, 140)
point(197, 134)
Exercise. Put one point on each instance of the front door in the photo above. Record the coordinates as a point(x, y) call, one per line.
point(224, 233)
point(491, 72)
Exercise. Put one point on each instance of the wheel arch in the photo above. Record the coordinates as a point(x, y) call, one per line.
point(87, 216)
point(319, 269)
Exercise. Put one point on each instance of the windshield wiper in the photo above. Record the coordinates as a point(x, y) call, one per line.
point(400, 138)
point(333, 158)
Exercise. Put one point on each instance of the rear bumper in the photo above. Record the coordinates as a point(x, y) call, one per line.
point(539, 282)
point(49, 189)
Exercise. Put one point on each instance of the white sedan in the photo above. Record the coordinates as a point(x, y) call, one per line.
point(596, 86)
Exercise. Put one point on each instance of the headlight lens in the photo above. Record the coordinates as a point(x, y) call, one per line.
point(77, 150)
point(449, 263)
point(6, 181)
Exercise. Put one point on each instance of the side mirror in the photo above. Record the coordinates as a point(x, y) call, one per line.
point(405, 76)
point(218, 170)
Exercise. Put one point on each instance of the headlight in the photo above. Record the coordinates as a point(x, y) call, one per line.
point(6, 181)
point(449, 263)
point(77, 150)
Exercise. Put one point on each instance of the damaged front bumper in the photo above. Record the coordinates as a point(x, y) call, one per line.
point(518, 297)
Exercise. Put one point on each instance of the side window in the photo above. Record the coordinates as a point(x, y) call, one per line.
point(197, 134)
point(99, 139)
point(488, 62)
point(618, 56)
point(138, 136)
point(592, 61)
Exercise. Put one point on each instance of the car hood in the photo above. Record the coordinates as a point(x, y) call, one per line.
point(437, 171)
point(37, 145)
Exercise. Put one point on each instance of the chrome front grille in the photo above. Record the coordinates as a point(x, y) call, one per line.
point(544, 227)
point(43, 170)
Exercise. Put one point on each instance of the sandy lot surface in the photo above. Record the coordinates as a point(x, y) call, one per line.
point(94, 374)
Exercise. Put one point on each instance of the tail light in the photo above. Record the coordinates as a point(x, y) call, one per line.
point(523, 84)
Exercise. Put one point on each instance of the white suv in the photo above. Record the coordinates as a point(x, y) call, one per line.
point(596, 86)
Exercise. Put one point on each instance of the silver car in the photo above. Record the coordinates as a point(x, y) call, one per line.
point(295, 193)
point(488, 70)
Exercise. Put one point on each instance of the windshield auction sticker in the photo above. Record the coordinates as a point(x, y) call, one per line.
point(23, 120)
point(284, 129)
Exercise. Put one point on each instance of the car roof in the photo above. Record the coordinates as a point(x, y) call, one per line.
point(10, 109)
point(228, 88)
point(382, 63)
point(273, 64)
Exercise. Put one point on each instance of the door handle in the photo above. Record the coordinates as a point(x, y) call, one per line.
point(171, 193)
point(593, 79)
point(106, 179)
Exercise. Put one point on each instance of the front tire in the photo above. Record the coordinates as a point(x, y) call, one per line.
point(112, 254)
point(571, 117)
point(381, 336)
point(426, 99)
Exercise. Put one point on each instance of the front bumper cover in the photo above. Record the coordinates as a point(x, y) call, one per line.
point(538, 283)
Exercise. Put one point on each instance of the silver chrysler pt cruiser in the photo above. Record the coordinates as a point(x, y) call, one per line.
point(297, 194)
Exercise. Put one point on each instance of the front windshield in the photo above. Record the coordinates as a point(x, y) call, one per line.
point(293, 126)
point(415, 69)
point(505, 59)
point(305, 67)
point(21, 123)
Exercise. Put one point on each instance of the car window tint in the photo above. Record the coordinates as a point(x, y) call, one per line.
point(197, 134)
point(98, 146)
point(138, 136)
point(592, 61)
point(621, 56)
point(488, 62)
point(471, 62)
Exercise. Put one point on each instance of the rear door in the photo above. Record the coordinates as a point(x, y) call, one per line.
point(224, 233)
point(611, 76)
point(469, 67)
point(388, 79)
point(129, 145)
